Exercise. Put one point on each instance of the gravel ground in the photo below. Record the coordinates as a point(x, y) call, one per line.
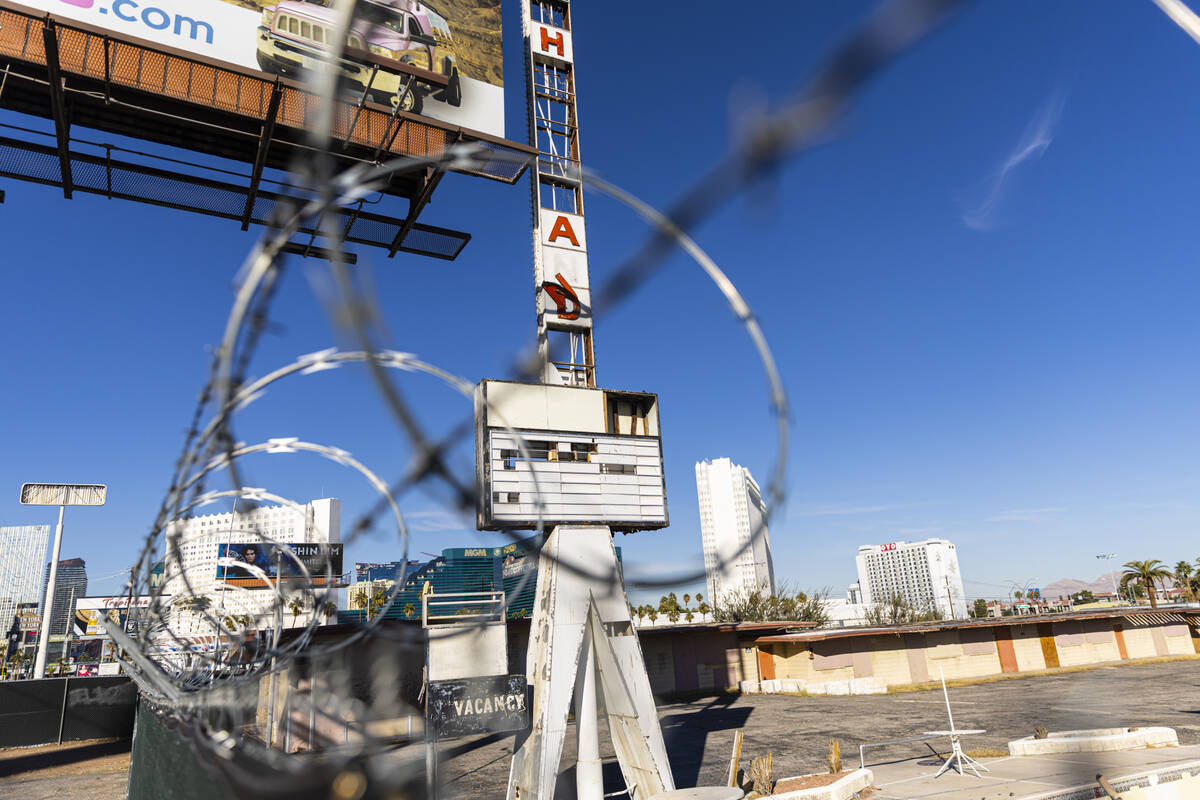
point(73, 771)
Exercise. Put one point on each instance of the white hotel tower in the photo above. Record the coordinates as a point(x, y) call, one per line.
point(22, 556)
point(731, 512)
point(923, 573)
point(316, 522)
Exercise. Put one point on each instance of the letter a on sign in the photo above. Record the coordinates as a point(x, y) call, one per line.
point(562, 227)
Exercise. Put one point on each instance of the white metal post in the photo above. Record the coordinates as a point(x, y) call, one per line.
point(946, 694)
point(589, 778)
point(39, 666)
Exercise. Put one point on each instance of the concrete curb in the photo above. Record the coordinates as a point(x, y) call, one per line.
point(840, 790)
point(1127, 783)
point(1094, 740)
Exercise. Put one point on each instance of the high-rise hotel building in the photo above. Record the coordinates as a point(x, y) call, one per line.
point(22, 554)
point(318, 522)
point(733, 527)
point(924, 573)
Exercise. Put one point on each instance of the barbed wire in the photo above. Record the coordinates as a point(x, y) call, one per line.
point(205, 681)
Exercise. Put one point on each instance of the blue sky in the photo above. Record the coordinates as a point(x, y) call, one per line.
point(981, 294)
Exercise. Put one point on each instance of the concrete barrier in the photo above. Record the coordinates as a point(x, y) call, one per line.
point(1094, 740)
point(852, 686)
point(842, 789)
point(846, 687)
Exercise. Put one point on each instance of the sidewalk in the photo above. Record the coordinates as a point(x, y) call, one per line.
point(1021, 776)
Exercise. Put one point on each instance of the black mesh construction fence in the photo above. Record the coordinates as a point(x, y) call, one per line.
point(32, 711)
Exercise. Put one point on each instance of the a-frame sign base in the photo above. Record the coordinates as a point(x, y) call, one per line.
point(583, 638)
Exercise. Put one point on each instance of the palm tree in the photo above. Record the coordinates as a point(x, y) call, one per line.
point(328, 609)
point(1145, 573)
point(379, 598)
point(409, 610)
point(296, 606)
point(1183, 574)
point(198, 603)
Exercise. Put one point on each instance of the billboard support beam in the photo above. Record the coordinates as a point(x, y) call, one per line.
point(260, 158)
point(39, 663)
point(58, 106)
point(432, 178)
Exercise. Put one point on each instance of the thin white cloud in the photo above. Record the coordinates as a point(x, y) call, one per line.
point(1037, 138)
point(639, 572)
point(435, 520)
point(832, 510)
point(911, 531)
point(1023, 514)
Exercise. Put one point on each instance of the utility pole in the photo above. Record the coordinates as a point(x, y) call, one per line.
point(66, 651)
point(1112, 574)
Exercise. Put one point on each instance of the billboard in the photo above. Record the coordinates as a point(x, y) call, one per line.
point(456, 43)
point(318, 559)
point(28, 618)
point(91, 612)
point(63, 494)
point(377, 571)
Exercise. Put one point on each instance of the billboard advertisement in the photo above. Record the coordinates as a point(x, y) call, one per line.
point(459, 40)
point(318, 560)
point(91, 612)
point(28, 618)
point(390, 570)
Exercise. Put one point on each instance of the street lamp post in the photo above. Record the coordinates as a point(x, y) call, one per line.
point(1023, 588)
point(61, 495)
point(1112, 575)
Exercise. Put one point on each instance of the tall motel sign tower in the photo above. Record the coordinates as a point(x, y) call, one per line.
point(582, 460)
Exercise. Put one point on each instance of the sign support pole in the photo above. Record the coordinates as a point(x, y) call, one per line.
point(589, 776)
point(39, 666)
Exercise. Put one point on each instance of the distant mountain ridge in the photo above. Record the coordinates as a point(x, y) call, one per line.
point(1069, 586)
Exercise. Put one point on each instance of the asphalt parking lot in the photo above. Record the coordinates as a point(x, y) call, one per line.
point(797, 730)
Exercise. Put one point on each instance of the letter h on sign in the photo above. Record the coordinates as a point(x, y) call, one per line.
point(553, 42)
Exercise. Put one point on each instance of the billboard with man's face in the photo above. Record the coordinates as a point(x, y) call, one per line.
point(239, 563)
point(458, 41)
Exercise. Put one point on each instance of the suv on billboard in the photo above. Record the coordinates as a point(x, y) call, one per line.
point(296, 34)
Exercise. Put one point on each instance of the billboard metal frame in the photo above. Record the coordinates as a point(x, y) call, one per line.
point(79, 75)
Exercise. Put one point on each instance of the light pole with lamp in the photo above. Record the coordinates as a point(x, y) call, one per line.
point(1112, 575)
point(1016, 588)
point(61, 495)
